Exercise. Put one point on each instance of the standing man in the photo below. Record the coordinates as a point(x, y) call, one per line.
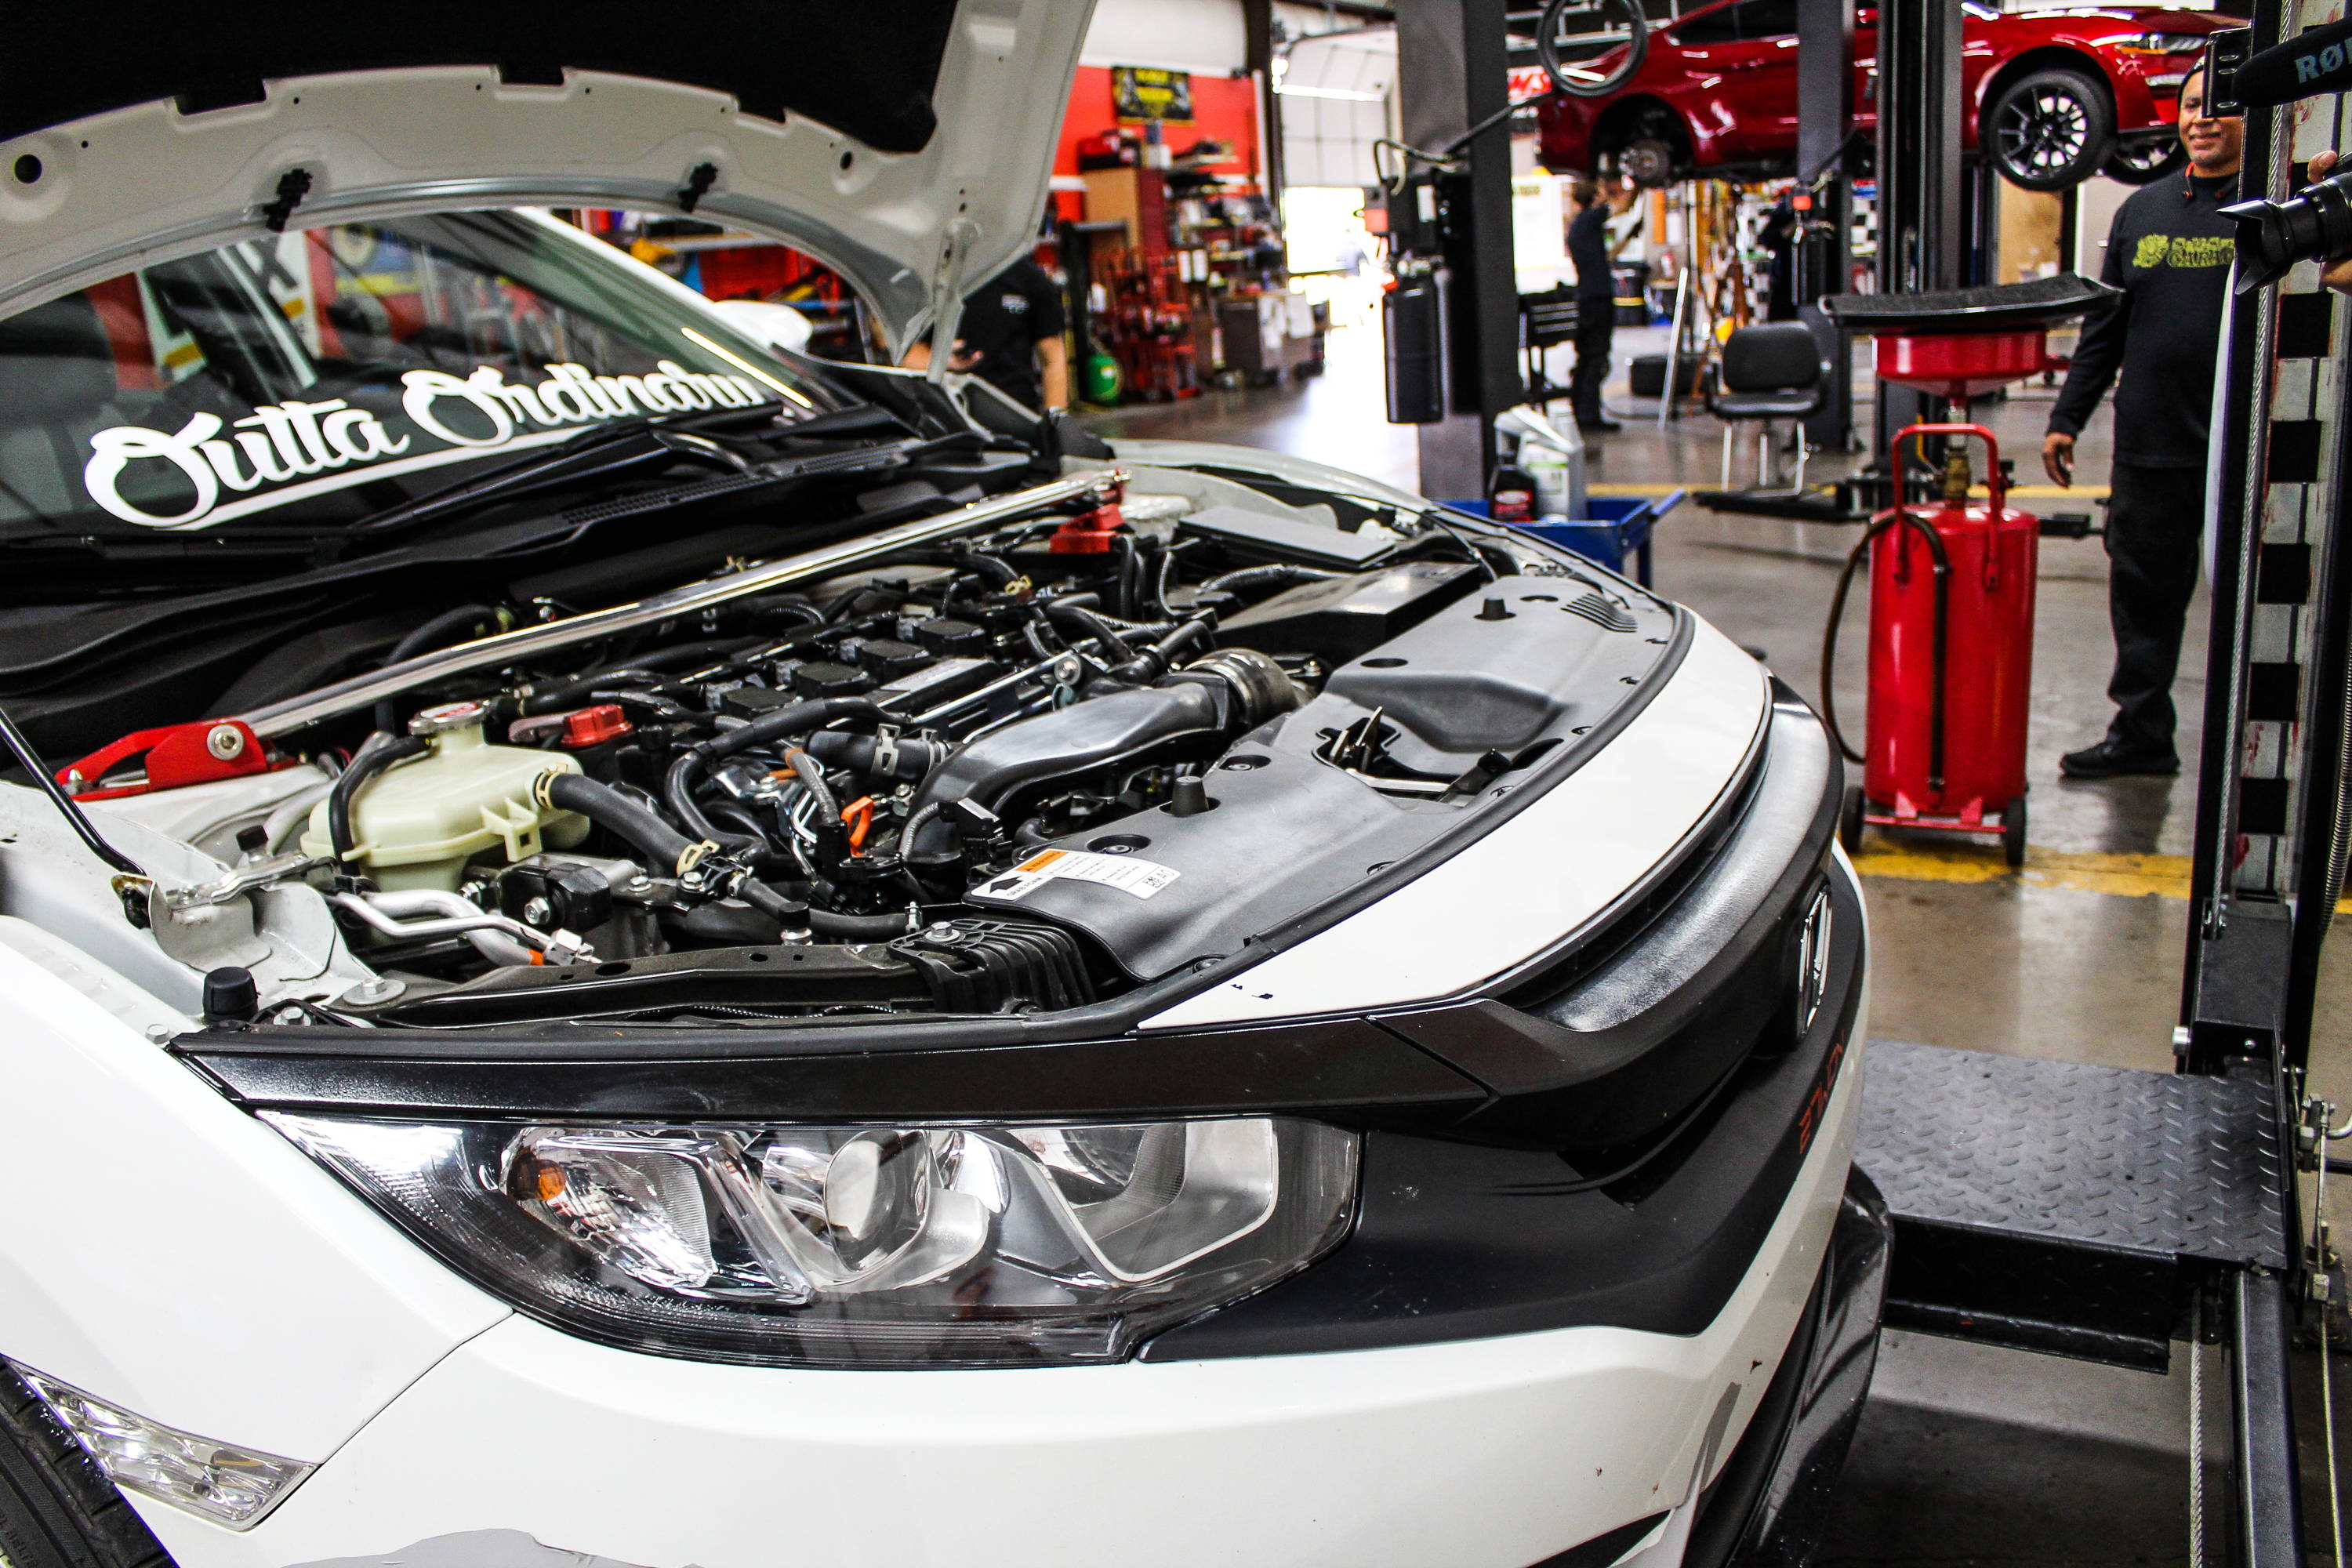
point(2169, 252)
point(1009, 335)
point(1596, 303)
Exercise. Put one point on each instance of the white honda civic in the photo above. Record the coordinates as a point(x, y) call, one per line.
point(624, 946)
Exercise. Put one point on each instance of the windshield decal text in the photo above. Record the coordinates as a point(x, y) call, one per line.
point(283, 445)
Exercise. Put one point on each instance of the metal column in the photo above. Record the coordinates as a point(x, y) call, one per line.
point(1918, 170)
point(1824, 120)
point(1453, 72)
point(2271, 824)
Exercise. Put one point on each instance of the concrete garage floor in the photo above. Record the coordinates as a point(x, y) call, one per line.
point(1966, 1455)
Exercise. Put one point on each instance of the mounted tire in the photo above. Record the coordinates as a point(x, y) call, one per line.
point(2012, 833)
point(56, 1509)
point(1850, 822)
point(2048, 129)
point(2145, 164)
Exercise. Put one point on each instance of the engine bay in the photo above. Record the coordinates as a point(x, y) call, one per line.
point(1023, 766)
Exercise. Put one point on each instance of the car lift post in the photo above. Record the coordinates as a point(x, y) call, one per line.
point(1824, 121)
point(2271, 850)
point(2082, 1211)
point(1453, 73)
point(1918, 173)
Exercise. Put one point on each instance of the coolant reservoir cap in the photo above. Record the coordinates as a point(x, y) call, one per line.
point(448, 716)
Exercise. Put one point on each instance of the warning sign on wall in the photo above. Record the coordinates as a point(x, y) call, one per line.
point(1143, 93)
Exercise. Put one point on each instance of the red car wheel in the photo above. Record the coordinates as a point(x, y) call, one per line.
point(2048, 129)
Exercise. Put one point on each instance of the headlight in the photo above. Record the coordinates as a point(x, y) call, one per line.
point(2164, 43)
point(859, 1246)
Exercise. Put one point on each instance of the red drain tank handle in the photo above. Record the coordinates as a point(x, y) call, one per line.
point(1994, 479)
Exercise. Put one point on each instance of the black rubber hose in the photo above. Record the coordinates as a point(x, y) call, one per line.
point(433, 633)
point(1128, 575)
point(812, 776)
point(790, 914)
point(677, 788)
point(1113, 645)
point(860, 755)
point(686, 771)
point(1162, 654)
point(609, 809)
point(857, 928)
point(372, 759)
point(784, 722)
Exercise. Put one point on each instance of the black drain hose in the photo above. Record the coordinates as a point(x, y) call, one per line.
point(1943, 569)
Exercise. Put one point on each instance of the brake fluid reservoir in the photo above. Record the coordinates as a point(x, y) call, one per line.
point(416, 824)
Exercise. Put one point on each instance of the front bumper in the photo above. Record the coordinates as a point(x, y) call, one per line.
point(528, 1449)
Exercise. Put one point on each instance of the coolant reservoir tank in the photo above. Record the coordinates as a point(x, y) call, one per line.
point(417, 824)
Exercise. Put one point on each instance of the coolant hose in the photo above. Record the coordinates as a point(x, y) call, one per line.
point(378, 753)
point(608, 808)
point(433, 633)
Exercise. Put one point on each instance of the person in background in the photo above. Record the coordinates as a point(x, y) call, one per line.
point(1596, 303)
point(1009, 335)
point(2169, 252)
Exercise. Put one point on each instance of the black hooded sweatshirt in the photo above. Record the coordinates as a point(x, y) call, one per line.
point(2169, 252)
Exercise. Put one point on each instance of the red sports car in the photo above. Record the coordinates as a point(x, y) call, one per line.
point(2054, 96)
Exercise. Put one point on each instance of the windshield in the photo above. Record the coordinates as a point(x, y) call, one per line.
point(292, 385)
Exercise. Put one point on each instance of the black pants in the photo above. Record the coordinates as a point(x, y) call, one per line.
point(2156, 521)
point(1596, 326)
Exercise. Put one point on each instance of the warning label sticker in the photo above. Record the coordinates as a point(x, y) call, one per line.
point(1125, 872)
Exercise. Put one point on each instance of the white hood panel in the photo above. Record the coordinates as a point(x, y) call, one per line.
point(138, 186)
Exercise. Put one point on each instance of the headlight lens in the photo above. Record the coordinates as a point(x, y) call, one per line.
point(859, 1246)
point(2165, 43)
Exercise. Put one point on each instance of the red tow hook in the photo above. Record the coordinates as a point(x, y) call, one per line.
point(177, 755)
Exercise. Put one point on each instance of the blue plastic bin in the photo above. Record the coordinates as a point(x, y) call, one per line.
point(1620, 526)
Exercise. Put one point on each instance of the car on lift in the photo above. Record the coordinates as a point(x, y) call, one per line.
point(2050, 97)
point(632, 948)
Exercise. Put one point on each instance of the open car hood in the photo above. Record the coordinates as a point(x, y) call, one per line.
point(905, 142)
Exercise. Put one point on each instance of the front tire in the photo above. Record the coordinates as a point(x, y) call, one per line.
point(2048, 129)
point(2012, 833)
point(56, 1509)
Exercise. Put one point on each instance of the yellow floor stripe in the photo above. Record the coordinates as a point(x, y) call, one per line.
point(2017, 492)
point(2125, 876)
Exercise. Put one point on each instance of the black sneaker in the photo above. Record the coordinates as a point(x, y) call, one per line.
point(2108, 760)
point(1600, 426)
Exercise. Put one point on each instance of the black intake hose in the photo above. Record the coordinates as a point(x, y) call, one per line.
point(373, 759)
point(1111, 728)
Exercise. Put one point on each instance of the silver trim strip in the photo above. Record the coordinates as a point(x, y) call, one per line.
point(359, 691)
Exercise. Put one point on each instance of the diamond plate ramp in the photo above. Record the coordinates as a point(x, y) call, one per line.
point(2053, 1205)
